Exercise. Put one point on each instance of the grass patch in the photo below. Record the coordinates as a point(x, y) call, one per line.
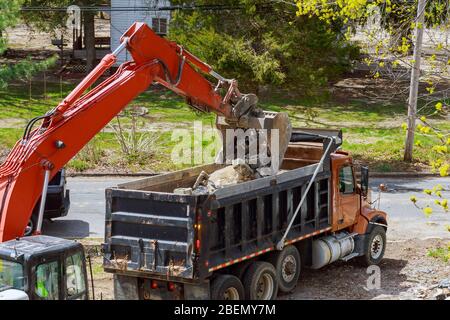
point(165, 106)
point(97, 268)
point(442, 253)
point(371, 131)
point(9, 136)
point(15, 101)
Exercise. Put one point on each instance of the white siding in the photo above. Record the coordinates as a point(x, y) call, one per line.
point(122, 20)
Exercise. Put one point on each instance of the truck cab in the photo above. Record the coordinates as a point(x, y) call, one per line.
point(42, 268)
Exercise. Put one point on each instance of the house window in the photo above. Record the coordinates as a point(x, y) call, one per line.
point(159, 25)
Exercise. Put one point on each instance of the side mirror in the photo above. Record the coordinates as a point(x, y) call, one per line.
point(364, 181)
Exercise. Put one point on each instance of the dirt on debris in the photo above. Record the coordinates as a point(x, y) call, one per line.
point(406, 272)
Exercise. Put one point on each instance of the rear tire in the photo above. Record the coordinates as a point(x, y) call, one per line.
point(374, 247)
point(287, 264)
point(260, 282)
point(227, 287)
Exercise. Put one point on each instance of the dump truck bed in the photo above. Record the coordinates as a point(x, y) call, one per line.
point(152, 232)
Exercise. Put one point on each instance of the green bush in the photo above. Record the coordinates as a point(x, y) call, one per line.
point(265, 44)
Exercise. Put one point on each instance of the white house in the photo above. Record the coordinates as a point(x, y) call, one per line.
point(125, 12)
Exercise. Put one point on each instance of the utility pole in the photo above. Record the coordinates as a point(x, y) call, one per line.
point(414, 85)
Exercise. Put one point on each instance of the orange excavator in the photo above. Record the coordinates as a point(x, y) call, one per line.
point(63, 131)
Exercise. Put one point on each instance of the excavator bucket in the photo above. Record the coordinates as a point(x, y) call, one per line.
point(273, 127)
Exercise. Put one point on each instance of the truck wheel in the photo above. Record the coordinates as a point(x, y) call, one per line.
point(375, 246)
point(260, 282)
point(227, 287)
point(287, 265)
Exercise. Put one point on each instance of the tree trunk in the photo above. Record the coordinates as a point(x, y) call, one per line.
point(414, 86)
point(89, 39)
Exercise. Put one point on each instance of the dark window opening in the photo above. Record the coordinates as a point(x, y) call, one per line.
point(346, 183)
point(159, 25)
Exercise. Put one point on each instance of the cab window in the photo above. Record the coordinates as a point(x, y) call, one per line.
point(47, 281)
point(11, 275)
point(75, 281)
point(346, 183)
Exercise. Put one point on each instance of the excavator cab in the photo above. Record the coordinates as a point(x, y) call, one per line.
point(42, 268)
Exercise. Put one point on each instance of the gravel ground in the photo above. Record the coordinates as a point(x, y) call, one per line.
point(405, 273)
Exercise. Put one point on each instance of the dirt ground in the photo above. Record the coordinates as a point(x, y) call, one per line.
point(406, 273)
point(103, 282)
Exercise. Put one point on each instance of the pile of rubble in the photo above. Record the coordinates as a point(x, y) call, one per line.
point(237, 172)
point(247, 165)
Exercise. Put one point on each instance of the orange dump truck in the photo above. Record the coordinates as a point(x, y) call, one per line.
point(244, 241)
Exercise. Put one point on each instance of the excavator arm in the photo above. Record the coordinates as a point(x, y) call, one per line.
point(65, 130)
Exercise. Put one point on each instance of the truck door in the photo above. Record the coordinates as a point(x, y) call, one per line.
point(348, 198)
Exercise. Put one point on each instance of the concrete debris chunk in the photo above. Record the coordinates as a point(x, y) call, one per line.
point(233, 174)
point(202, 180)
point(444, 283)
point(239, 171)
point(184, 191)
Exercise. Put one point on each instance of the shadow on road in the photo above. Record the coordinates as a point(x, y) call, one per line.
point(66, 228)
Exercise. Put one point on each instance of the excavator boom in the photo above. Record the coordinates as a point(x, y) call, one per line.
point(65, 130)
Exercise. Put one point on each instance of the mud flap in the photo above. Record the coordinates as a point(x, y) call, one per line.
point(125, 288)
point(197, 291)
point(360, 243)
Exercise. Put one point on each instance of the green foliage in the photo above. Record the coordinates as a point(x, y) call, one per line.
point(442, 253)
point(137, 145)
point(9, 13)
point(264, 44)
point(51, 21)
point(8, 18)
point(46, 20)
point(24, 70)
point(358, 10)
point(79, 165)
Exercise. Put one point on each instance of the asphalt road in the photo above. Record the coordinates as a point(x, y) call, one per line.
point(86, 215)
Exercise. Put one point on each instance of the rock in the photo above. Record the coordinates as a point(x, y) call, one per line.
point(425, 270)
point(444, 283)
point(202, 180)
point(200, 190)
point(265, 171)
point(401, 296)
point(185, 191)
point(349, 84)
point(230, 175)
point(442, 294)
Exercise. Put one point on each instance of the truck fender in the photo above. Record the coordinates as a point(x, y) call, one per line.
point(239, 269)
point(368, 219)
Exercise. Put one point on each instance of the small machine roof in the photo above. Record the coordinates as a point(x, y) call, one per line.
point(34, 245)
